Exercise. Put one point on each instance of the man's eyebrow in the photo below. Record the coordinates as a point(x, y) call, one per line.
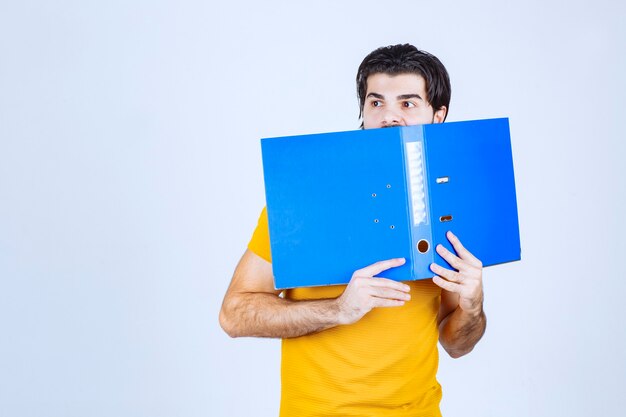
point(408, 96)
point(376, 95)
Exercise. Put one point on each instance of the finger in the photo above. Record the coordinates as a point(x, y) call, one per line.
point(379, 282)
point(378, 267)
point(388, 283)
point(454, 261)
point(446, 273)
point(390, 294)
point(447, 285)
point(384, 302)
point(461, 251)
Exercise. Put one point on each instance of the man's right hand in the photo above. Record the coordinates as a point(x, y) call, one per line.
point(365, 292)
point(252, 307)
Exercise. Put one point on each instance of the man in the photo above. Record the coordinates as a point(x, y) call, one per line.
point(368, 348)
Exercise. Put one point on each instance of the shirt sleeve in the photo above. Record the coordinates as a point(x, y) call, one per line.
point(260, 242)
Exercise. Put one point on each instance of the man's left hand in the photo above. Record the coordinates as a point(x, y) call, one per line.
point(467, 278)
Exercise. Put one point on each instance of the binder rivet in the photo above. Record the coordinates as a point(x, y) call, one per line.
point(388, 185)
point(422, 246)
point(375, 220)
point(392, 227)
point(373, 194)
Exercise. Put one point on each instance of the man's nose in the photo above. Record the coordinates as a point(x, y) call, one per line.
point(391, 118)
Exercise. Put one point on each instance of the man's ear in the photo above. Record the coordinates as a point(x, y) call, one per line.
point(440, 115)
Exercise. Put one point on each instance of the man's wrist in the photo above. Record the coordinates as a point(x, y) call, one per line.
point(338, 311)
point(474, 312)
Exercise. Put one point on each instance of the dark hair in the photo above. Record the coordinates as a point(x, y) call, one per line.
point(403, 59)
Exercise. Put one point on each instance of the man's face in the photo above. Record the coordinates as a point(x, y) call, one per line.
point(398, 100)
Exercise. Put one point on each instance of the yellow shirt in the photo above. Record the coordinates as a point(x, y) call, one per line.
point(383, 365)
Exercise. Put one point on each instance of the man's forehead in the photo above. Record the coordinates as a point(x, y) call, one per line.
point(396, 82)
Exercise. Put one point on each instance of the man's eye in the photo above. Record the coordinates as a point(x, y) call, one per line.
point(376, 103)
point(408, 104)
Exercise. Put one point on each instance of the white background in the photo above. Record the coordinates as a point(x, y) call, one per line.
point(131, 181)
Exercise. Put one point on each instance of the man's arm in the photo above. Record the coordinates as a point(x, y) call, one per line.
point(461, 318)
point(252, 307)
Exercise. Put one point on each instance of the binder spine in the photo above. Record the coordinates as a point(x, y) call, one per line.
point(421, 234)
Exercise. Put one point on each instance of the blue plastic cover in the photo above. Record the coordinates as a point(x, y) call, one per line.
point(329, 209)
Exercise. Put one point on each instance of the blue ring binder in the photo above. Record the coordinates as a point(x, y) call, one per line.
point(340, 201)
